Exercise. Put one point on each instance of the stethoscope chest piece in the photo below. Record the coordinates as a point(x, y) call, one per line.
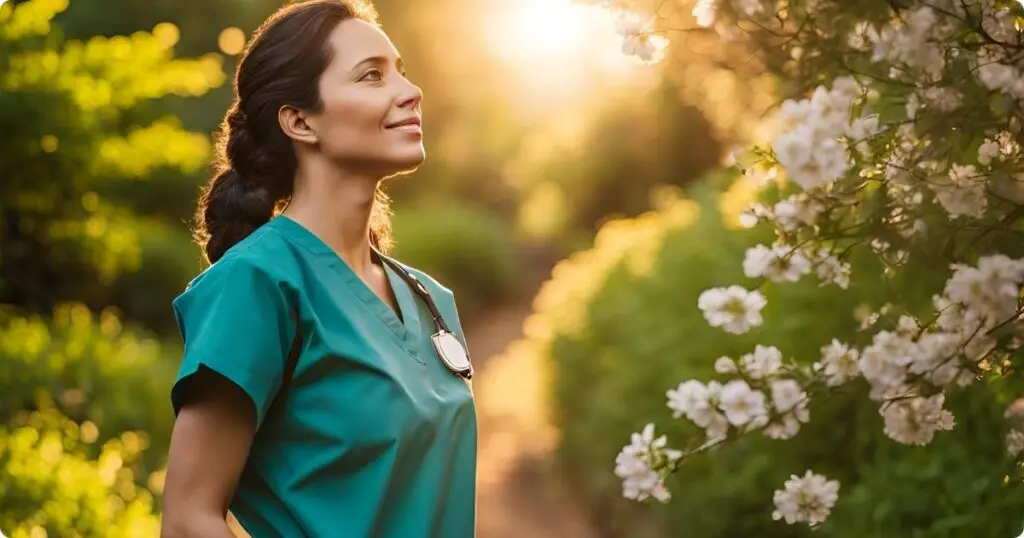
point(452, 353)
point(449, 349)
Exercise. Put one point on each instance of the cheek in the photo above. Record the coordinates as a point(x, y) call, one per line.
point(352, 123)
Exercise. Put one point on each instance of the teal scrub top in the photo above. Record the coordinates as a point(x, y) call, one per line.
point(377, 438)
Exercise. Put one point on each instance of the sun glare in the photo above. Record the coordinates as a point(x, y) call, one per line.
point(541, 30)
point(556, 52)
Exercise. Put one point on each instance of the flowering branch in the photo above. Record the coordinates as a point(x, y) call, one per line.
point(903, 137)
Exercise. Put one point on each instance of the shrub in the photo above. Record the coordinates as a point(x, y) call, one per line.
point(91, 370)
point(49, 483)
point(465, 249)
point(619, 325)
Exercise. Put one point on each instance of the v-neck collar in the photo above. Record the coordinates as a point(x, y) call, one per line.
point(407, 331)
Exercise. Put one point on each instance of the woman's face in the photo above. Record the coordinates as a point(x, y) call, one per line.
point(370, 119)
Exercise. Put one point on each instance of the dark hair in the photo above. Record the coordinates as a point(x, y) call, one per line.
point(255, 160)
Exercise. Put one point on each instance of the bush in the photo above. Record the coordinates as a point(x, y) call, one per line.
point(62, 239)
point(620, 325)
point(91, 370)
point(465, 249)
point(49, 483)
point(168, 261)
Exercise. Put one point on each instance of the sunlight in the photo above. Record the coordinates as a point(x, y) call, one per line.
point(541, 29)
point(557, 53)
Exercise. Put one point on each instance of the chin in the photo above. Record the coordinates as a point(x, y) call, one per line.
point(407, 162)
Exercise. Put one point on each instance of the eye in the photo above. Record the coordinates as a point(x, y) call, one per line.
point(373, 75)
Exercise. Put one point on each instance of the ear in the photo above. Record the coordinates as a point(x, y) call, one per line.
point(295, 126)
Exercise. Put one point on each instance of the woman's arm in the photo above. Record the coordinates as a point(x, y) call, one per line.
point(209, 446)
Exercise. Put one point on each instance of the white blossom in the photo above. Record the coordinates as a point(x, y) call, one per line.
point(764, 362)
point(964, 194)
point(733, 308)
point(988, 151)
point(787, 395)
point(778, 263)
point(750, 216)
point(937, 358)
point(698, 402)
point(914, 420)
point(633, 465)
point(749, 8)
point(797, 210)
point(812, 162)
point(998, 76)
point(831, 270)
point(884, 363)
point(807, 499)
point(725, 365)
point(705, 12)
point(787, 425)
point(912, 42)
point(790, 402)
point(638, 38)
point(689, 397)
point(743, 405)
point(839, 363)
point(944, 100)
point(967, 324)
point(990, 290)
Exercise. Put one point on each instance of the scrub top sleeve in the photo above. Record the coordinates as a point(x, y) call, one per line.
point(236, 320)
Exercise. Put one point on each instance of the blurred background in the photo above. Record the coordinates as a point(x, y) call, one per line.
point(575, 200)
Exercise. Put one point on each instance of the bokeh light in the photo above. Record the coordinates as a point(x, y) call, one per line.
point(231, 41)
point(167, 34)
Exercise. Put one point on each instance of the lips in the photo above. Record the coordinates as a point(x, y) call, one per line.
point(407, 124)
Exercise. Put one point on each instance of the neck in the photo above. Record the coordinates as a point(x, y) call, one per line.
point(336, 204)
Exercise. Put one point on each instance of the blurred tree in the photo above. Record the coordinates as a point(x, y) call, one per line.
point(70, 131)
point(614, 164)
point(82, 396)
point(51, 488)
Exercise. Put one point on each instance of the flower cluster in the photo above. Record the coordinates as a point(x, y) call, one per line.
point(734, 308)
point(807, 499)
point(760, 397)
point(641, 464)
point(812, 150)
point(638, 37)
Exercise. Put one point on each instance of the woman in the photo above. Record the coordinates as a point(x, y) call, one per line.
point(311, 399)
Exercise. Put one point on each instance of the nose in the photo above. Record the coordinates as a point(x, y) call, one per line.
point(410, 95)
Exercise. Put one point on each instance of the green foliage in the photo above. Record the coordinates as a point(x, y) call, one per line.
point(168, 261)
point(90, 369)
point(620, 326)
point(465, 249)
point(71, 116)
point(48, 483)
point(84, 394)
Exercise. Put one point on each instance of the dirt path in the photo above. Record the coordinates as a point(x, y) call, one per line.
point(518, 498)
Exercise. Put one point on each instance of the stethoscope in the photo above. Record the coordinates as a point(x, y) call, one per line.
point(450, 350)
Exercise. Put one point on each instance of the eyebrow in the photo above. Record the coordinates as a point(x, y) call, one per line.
point(378, 60)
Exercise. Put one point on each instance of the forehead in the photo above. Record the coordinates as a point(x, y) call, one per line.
point(355, 40)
